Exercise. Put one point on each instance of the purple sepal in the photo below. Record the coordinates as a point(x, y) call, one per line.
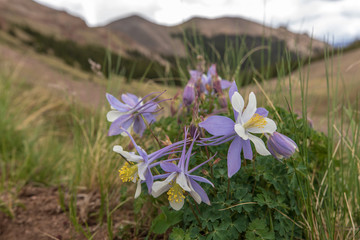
point(225, 84)
point(248, 153)
point(233, 157)
point(139, 125)
point(218, 125)
point(129, 100)
point(149, 179)
point(123, 122)
point(199, 190)
point(262, 112)
point(115, 103)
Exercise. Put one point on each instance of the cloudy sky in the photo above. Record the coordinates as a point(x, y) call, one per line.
point(338, 21)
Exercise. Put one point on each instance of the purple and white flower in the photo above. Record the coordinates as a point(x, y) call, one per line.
point(280, 146)
point(180, 180)
point(137, 167)
point(129, 115)
point(250, 121)
point(207, 81)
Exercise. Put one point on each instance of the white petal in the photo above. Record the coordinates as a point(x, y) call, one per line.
point(183, 182)
point(259, 145)
point(177, 205)
point(142, 167)
point(240, 130)
point(269, 127)
point(250, 109)
point(160, 187)
point(113, 115)
point(138, 189)
point(196, 197)
point(129, 156)
point(237, 102)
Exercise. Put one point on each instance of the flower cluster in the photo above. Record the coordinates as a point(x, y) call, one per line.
point(200, 83)
point(177, 178)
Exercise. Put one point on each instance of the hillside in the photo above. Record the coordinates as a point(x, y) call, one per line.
point(161, 39)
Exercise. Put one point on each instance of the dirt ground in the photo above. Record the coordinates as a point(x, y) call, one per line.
point(39, 216)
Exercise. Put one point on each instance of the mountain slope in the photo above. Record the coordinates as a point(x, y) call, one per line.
point(161, 39)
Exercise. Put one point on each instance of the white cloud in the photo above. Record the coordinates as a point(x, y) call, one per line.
point(338, 19)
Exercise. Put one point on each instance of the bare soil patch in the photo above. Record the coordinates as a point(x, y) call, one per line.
point(38, 216)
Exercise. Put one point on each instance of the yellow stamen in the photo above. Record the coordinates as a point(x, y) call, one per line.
point(257, 121)
point(127, 172)
point(176, 193)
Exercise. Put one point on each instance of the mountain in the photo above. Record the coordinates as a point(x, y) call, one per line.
point(160, 39)
point(139, 43)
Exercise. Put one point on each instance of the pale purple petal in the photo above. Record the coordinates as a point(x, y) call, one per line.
point(169, 167)
point(233, 157)
point(115, 103)
point(123, 121)
point(218, 125)
point(262, 112)
point(225, 84)
point(201, 179)
point(129, 100)
point(199, 190)
point(139, 125)
point(248, 154)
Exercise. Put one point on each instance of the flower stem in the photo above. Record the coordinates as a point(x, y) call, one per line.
point(228, 189)
point(192, 209)
point(152, 133)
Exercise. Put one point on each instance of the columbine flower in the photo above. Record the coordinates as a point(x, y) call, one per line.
point(207, 81)
point(251, 120)
point(137, 167)
point(179, 180)
point(130, 114)
point(280, 146)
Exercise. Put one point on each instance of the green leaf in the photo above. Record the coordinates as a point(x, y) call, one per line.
point(241, 223)
point(258, 230)
point(179, 234)
point(165, 220)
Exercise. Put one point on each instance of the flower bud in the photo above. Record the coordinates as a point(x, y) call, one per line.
point(280, 146)
point(189, 94)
